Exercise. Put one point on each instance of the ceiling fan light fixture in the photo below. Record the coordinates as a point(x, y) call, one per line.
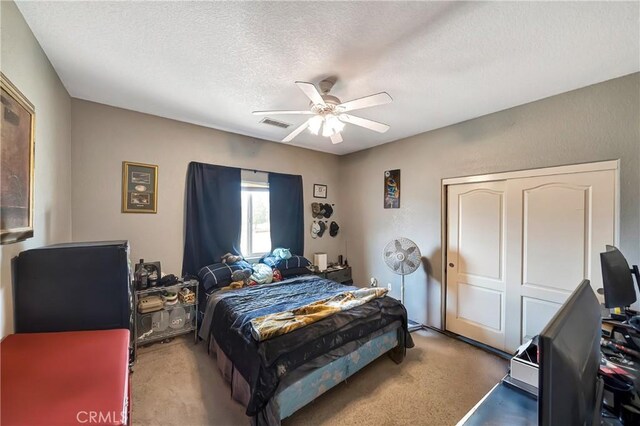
point(330, 113)
point(332, 126)
point(327, 130)
point(315, 123)
point(333, 122)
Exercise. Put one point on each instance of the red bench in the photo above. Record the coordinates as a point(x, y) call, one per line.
point(75, 377)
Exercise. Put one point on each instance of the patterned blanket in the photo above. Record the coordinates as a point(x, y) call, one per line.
point(279, 323)
point(229, 313)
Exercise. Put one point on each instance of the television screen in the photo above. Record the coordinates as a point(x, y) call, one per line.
point(570, 392)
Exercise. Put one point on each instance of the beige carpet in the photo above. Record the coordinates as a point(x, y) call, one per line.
point(439, 381)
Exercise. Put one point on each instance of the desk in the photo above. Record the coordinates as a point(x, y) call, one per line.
point(503, 406)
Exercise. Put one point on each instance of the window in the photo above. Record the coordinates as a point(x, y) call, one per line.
point(255, 239)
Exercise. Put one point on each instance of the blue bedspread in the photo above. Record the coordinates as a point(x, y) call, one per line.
point(262, 364)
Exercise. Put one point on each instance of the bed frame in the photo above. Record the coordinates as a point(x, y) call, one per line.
point(293, 395)
point(298, 394)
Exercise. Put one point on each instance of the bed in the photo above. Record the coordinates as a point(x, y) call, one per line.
point(275, 376)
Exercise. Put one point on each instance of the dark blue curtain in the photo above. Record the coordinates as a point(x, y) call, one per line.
point(213, 215)
point(286, 207)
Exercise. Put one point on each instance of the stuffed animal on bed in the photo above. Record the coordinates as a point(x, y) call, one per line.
point(240, 278)
point(282, 253)
point(231, 258)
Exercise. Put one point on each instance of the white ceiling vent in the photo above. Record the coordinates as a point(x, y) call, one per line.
point(272, 122)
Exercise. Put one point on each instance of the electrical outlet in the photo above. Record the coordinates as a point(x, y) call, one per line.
point(389, 286)
point(374, 282)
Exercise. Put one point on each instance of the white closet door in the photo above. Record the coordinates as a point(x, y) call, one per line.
point(517, 248)
point(475, 262)
point(557, 227)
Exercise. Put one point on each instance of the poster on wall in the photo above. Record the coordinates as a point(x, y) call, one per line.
point(392, 189)
point(16, 164)
point(139, 188)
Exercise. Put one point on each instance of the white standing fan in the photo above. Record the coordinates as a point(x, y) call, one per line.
point(403, 257)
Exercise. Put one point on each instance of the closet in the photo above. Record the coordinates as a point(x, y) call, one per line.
point(519, 243)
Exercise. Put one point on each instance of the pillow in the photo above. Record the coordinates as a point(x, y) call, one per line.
point(219, 274)
point(295, 272)
point(284, 264)
point(295, 262)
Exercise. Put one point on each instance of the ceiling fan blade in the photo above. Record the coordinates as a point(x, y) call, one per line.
point(297, 131)
point(337, 138)
point(364, 122)
point(312, 93)
point(366, 102)
point(281, 112)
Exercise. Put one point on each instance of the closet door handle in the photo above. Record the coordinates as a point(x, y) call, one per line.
point(451, 265)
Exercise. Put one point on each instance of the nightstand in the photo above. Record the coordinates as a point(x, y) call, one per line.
point(169, 320)
point(342, 275)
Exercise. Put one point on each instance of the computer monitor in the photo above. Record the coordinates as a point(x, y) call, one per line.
point(569, 389)
point(617, 279)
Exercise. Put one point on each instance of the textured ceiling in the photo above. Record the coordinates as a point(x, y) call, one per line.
point(212, 63)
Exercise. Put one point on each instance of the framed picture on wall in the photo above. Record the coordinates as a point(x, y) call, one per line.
point(139, 188)
point(17, 142)
point(392, 189)
point(319, 191)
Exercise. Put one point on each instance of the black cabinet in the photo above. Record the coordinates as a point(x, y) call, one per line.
point(72, 287)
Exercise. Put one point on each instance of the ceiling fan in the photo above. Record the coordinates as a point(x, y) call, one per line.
point(330, 114)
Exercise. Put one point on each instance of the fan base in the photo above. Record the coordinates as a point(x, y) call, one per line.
point(413, 326)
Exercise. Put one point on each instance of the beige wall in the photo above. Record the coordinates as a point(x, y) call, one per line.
point(599, 122)
point(89, 141)
point(25, 64)
point(105, 136)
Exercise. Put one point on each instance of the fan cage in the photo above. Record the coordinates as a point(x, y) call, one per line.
point(402, 256)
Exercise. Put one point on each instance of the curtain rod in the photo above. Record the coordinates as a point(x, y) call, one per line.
point(242, 168)
point(266, 171)
point(255, 170)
